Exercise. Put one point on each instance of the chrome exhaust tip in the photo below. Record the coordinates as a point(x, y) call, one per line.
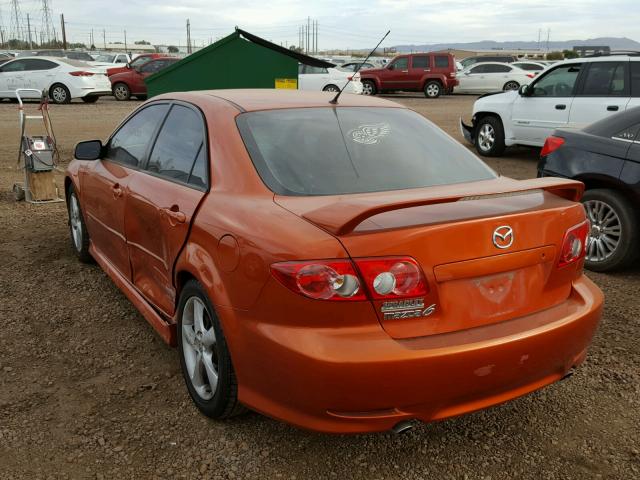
point(402, 427)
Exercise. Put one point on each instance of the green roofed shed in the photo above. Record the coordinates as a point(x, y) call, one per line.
point(240, 60)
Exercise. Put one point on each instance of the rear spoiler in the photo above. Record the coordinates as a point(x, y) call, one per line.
point(344, 214)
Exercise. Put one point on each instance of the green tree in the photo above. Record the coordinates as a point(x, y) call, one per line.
point(569, 54)
point(173, 49)
point(295, 49)
point(555, 56)
point(142, 42)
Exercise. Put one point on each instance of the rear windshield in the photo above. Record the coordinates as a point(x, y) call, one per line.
point(331, 151)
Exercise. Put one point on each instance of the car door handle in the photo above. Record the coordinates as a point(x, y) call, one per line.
point(427, 70)
point(561, 106)
point(613, 108)
point(116, 190)
point(174, 215)
point(405, 71)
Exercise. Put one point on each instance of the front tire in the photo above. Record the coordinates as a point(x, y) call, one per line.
point(489, 139)
point(77, 228)
point(613, 239)
point(368, 87)
point(432, 89)
point(59, 94)
point(121, 92)
point(204, 357)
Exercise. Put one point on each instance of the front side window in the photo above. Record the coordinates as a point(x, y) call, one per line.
point(635, 79)
point(16, 66)
point(420, 61)
point(605, 79)
point(478, 69)
point(334, 151)
point(401, 63)
point(179, 144)
point(129, 144)
point(139, 61)
point(151, 67)
point(559, 82)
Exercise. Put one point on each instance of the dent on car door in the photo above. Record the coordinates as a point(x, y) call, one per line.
point(603, 91)
point(104, 185)
point(162, 201)
point(535, 116)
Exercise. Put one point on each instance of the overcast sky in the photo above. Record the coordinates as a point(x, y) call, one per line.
point(354, 24)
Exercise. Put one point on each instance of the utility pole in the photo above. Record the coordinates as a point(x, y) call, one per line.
point(16, 27)
point(548, 34)
point(125, 42)
point(104, 38)
point(188, 36)
point(308, 34)
point(1, 36)
point(91, 42)
point(64, 32)
point(29, 31)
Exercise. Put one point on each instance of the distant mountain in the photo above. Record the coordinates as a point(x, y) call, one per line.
point(612, 42)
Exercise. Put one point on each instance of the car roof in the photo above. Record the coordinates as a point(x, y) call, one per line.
point(271, 99)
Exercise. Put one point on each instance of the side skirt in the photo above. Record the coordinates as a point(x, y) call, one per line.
point(166, 330)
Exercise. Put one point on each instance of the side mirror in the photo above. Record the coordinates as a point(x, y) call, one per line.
point(524, 90)
point(89, 150)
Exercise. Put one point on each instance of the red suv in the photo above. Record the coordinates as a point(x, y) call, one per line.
point(131, 82)
point(432, 73)
point(136, 62)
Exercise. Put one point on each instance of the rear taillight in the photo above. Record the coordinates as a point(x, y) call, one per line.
point(350, 77)
point(531, 75)
point(551, 144)
point(81, 74)
point(321, 279)
point(382, 278)
point(392, 277)
point(574, 244)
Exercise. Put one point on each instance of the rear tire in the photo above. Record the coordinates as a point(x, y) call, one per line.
point(331, 88)
point(77, 228)
point(204, 357)
point(59, 94)
point(615, 228)
point(121, 92)
point(489, 139)
point(511, 85)
point(432, 89)
point(369, 87)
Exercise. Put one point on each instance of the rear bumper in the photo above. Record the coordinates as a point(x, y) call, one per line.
point(362, 380)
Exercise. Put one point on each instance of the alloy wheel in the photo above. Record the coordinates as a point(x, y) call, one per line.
point(605, 233)
point(331, 88)
point(59, 94)
point(511, 86)
point(433, 90)
point(75, 221)
point(120, 92)
point(486, 137)
point(367, 88)
point(199, 348)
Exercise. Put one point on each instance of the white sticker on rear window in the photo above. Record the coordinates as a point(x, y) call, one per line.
point(370, 134)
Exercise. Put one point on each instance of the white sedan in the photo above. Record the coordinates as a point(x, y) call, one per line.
point(327, 79)
point(63, 78)
point(491, 77)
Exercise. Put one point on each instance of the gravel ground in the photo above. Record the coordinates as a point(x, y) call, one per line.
point(88, 390)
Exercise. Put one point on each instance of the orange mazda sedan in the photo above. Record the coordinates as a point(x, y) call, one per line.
point(343, 267)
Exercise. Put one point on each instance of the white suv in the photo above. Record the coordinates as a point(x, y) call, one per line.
point(569, 94)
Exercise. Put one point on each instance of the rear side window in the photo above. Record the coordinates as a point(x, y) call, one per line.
point(635, 79)
point(421, 61)
point(179, 144)
point(39, 64)
point(605, 79)
point(327, 151)
point(497, 69)
point(130, 143)
point(442, 61)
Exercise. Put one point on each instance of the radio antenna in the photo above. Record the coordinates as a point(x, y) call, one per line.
point(335, 99)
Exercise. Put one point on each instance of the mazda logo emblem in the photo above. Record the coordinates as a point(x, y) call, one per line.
point(503, 237)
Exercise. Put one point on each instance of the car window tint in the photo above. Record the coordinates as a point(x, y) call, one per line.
point(179, 142)
point(442, 61)
point(130, 143)
point(315, 70)
point(39, 64)
point(606, 79)
point(327, 151)
point(16, 66)
point(478, 69)
point(559, 82)
point(421, 61)
point(151, 67)
point(497, 68)
point(401, 63)
point(635, 79)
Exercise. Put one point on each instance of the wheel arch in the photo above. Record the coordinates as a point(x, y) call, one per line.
point(427, 79)
point(478, 116)
point(592, 182)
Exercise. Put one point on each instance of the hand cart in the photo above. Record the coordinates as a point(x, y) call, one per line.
point(37, 154)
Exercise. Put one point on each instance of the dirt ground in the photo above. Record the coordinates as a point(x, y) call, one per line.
point(88, 390)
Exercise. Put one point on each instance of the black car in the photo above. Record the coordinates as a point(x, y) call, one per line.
point(605, 156)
